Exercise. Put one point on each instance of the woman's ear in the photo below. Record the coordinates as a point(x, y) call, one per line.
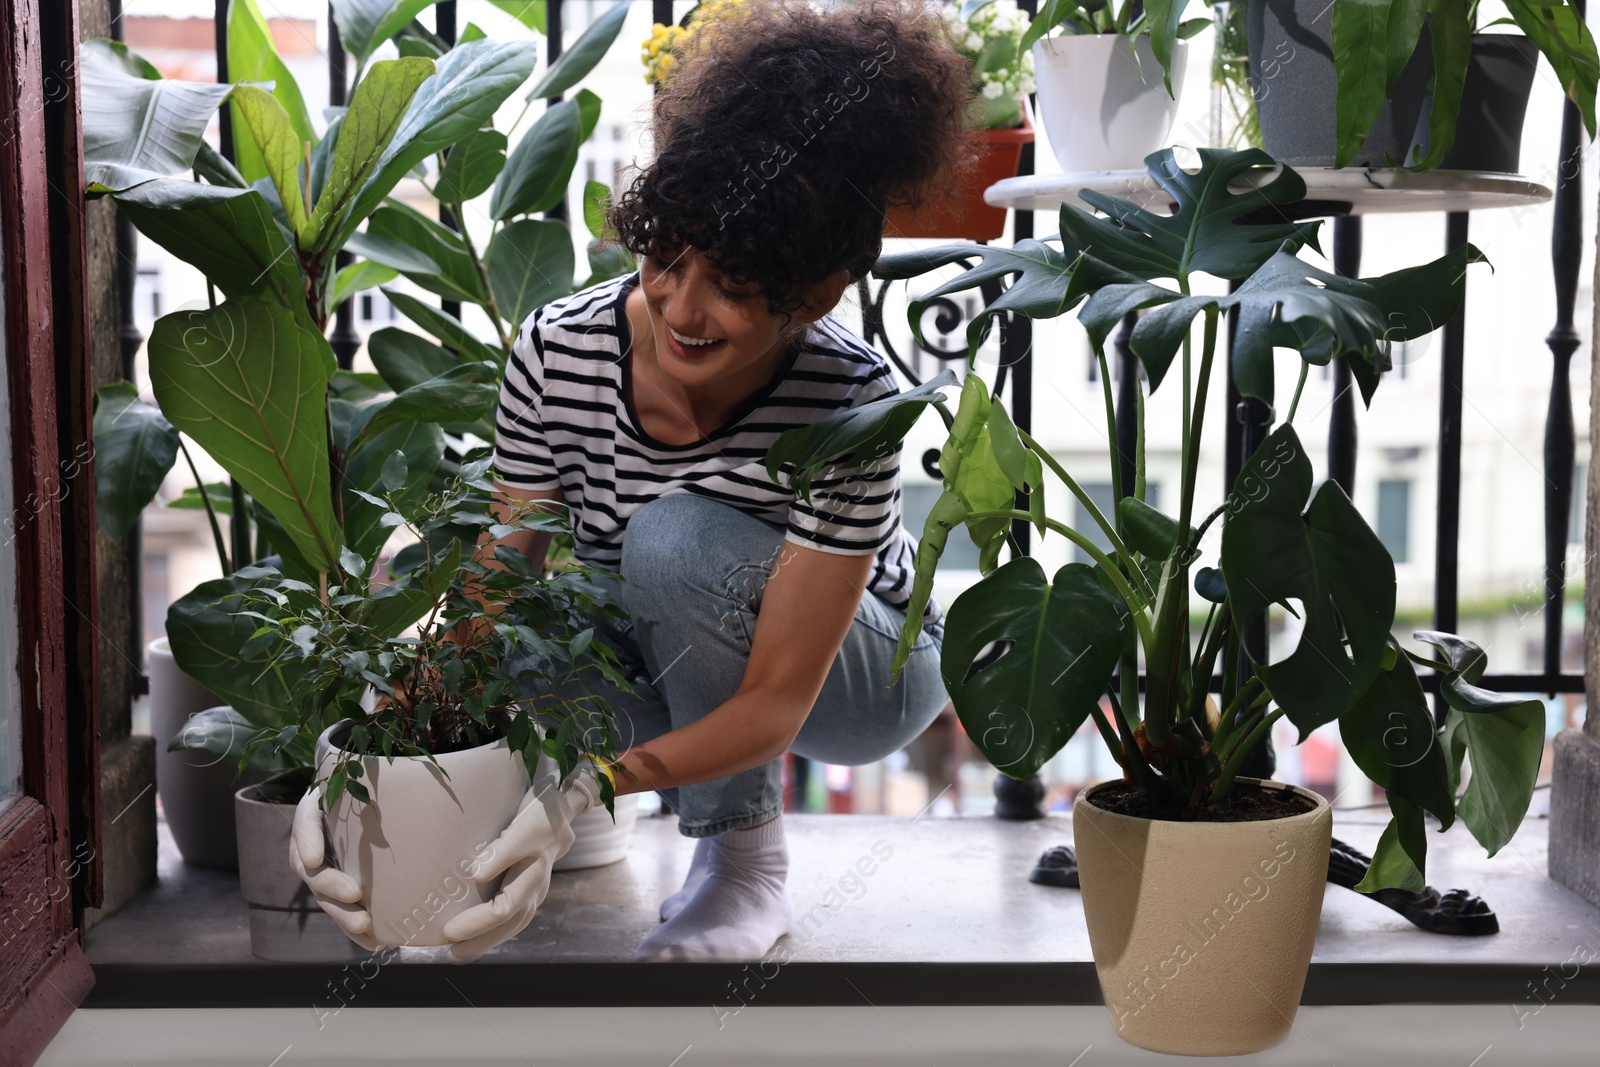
point(824, 296)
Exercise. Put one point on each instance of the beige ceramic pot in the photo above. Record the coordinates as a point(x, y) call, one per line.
point(414, 845)
point(1202, 931)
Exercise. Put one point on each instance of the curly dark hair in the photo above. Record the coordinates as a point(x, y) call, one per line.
point(786, 131)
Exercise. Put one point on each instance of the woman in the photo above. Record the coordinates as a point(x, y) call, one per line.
point(758, 623)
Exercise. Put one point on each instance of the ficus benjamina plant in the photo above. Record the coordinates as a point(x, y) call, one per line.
point(1068, 641)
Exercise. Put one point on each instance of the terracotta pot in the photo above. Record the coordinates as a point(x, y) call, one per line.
point(414, 845)
point(969, 218)
point(1102, 100)
point(1202, 931)
point(196, 788)
point(286, 923)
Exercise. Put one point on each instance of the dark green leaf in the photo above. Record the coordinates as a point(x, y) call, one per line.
point(576, 62)
point(134, 448)
point(1065, 638)
point(447, 328)
point(405, 359)
point(536, 172)
point(207, 638)
point(529, 264)
point(455, 276)
point(1389, 732)
point(461, 394)
point(366, 24)
point(472, 167)
point(1393, 865)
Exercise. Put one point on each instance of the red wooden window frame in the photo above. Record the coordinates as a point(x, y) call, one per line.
point(49, 837)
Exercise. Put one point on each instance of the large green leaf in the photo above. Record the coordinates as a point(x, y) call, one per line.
point(447, 328)
point(872, 428)
point(464, 393)
point(405, 359)
point(230, 235)
point(1164, 17)
point(536, 173)
point(1389, 732)
point(1501, 733)
point(1451, 33)
point(472, 167)
point(280, 150)
point(472, 81)
point(530, 264)
point(253, 57)
point(137, 125)
point(208, 639)
point(575, 63)
point(1065, 637)
point(1398, 861)
point(368, 128)
point(531, 13)
point(1205, 233)
point(453, 276)
point(248, 383)
point(134, 448)
point(1560, 33)
point(1324, 555)
point(366, 24)
point(1372, 40)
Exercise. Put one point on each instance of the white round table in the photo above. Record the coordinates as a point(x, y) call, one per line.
point(1351, 191)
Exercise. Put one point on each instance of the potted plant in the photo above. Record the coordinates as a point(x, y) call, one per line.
point(416, 787)
point(1002, 78)
point(268, 234)
point(1385, 84)
point(1184, 846)
point(1100, 98)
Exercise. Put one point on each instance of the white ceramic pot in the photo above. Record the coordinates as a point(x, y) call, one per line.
point(286, 923)
point(597, 839)
point(1202, 931)
point(413, 847)
point(196, 788)
point(1102, 101)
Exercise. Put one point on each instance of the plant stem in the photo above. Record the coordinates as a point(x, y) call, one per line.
point(1111, 570)
point(1236, 757)
point(1077, 490)
point(1138, 441)
point(1109, 735)
point(1111, 423)
point(1204, 525)
point(211, 514)
point(483, 279)
point(1192, 431)
point(1229, 719)
point(1299, 385)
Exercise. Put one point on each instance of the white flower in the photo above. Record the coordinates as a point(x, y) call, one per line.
point(1028, 86)
point(974, 42)
point(992, 91)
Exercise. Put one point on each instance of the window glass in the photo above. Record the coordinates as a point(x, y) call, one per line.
point(1394, 517)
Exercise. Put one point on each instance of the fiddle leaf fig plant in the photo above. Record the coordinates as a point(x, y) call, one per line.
point(1068, 640)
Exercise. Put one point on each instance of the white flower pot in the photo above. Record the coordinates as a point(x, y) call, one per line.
point(196, 788)
point(1102, 100)
point(414, 847)
point(1202, 931)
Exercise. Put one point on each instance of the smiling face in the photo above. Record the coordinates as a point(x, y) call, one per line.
point(709, 331)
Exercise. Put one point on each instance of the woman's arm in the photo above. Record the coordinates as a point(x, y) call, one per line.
point(809, 604)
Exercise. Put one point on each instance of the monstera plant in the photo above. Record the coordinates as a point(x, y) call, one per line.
point(1071, 640)
point(291, 228)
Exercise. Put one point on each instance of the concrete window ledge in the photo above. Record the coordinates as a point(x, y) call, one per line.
point(946, 916)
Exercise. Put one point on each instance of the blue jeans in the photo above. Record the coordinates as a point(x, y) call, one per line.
point(694, 572)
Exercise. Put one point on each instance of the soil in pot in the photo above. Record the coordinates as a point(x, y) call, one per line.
point(1246, 803)
point(427, 827)
point(1202, 931)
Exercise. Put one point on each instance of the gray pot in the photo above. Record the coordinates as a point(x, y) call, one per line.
point(285, 922)
point(196, 788)
point(1494, 102)
point(1292, 77)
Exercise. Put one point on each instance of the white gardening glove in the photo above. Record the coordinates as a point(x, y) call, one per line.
point(539, 835)
point(337, 892)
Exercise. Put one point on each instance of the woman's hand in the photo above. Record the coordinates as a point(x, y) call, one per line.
point(336, 892)
point(540, 834)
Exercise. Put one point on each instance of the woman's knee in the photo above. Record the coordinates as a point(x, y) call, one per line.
point(684, 541)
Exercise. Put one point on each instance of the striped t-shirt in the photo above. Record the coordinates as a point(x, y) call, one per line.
point(567, 420)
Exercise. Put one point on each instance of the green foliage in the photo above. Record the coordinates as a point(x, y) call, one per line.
point(1059, 642)
point(253, 59)
point(135, 446)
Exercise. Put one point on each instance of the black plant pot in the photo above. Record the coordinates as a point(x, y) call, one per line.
point(1494, 102)
point(1292, 76)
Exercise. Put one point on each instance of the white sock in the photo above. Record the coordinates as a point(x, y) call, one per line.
point(739, 909)
point(691, 882)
